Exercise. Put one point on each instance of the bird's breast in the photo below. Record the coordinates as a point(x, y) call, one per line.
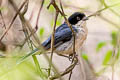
point(67, 47)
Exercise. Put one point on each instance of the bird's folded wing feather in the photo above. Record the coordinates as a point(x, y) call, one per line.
point(61, 36)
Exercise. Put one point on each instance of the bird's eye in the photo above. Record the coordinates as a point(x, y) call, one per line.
point(78, 18)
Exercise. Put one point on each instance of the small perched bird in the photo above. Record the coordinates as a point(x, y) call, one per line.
point(63, 39)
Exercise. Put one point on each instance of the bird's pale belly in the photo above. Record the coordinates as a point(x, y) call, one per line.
point(67, 48)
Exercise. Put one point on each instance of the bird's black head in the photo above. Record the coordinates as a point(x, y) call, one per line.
point(76, 17)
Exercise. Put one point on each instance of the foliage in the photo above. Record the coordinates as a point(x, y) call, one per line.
point(42, 30)
point(107, 57)
point(100, 45)
point(85, 56)
point(11, 71)
point(114, 38)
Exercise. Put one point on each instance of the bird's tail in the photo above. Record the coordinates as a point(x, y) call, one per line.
point(33, 52)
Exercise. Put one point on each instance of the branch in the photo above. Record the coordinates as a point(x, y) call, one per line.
point(13, 20)
point(62, 13)
point(52, 40)
point(27, 24)
point(99, 11)
point(36, 27)
point(68, 70)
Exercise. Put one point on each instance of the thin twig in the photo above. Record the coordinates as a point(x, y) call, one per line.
point(69, 25)
point(31, 15)
point(99, 11)
point(36, 27)
point(62, 8)
point(52, 41)
point(115, 54)
point(112, 72)
point(68, 70)
point(43, 76)
point(26, 32)
point(62, 13)
point(13, 20)
point(26, 22)
point(70, 75)
point(115, 48)
point(105, 5)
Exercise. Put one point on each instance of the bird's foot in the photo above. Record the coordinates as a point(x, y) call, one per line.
point(72, 56)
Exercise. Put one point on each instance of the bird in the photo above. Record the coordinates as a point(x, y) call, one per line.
point(63, 38)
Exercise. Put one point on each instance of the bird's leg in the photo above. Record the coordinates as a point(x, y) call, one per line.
point(70, 57)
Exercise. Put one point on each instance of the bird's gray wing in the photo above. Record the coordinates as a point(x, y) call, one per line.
point(61, 37)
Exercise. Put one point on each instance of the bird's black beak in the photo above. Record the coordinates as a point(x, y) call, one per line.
point(85, 18)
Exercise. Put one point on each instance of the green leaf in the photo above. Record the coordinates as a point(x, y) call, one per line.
point(42, 75)
point(41, 31)
point(85, 57)
point(107, 57)
point(52, 23)
point(51, 9)
point(100, 45)
point(118, 54)
point(114, 38)
point(58, 23)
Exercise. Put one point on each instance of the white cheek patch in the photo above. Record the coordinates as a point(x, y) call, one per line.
point(80, 24)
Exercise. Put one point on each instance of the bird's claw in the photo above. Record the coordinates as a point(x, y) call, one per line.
point(72, 56)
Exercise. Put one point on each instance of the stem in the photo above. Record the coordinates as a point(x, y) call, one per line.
point(42, 75)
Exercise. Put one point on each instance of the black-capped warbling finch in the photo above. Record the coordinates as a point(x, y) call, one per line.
point(63, 38)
